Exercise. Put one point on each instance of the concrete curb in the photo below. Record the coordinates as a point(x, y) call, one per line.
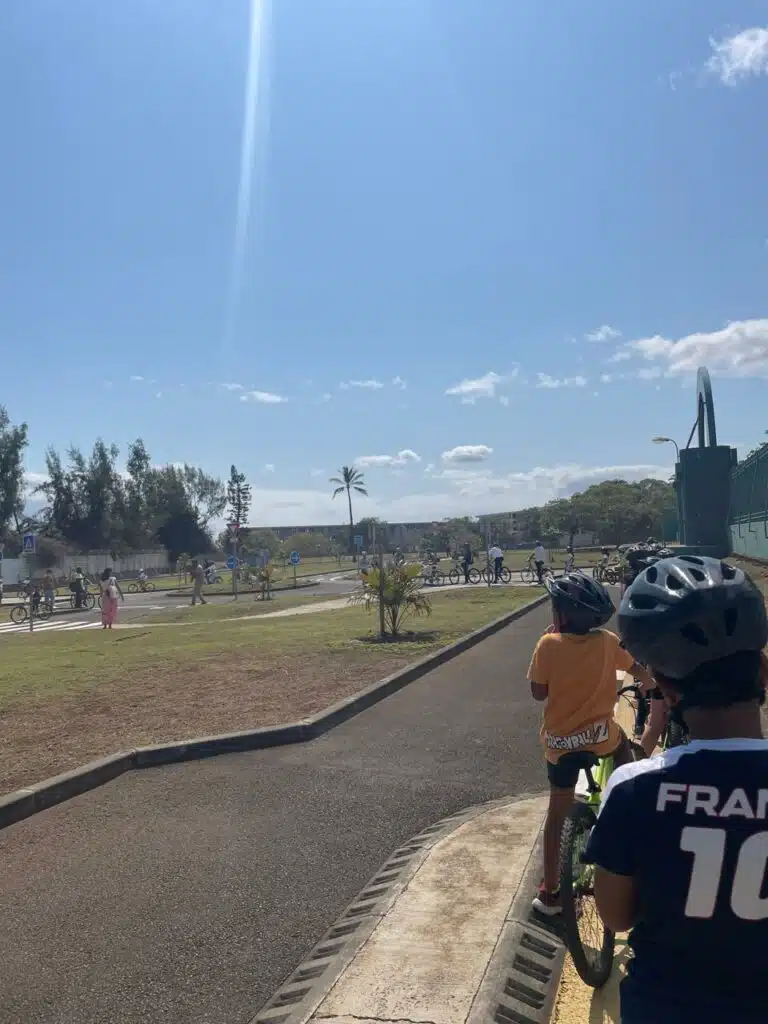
point(185, 591)
point(23, 803)
point(300, 997)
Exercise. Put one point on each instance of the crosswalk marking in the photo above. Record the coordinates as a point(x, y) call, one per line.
point(47, 626)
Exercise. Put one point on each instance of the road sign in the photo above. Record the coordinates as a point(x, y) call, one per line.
point(231, 562)
point(294, 558)
point(358, 540)
point(30, 543)
point(264, 556)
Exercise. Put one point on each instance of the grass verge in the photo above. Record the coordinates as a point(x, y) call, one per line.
point(66, 698)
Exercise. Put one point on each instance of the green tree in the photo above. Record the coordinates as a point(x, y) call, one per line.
point(13, 442)
point(238, 497)
point(401, 595)
point(206, 494)
point(349, 479)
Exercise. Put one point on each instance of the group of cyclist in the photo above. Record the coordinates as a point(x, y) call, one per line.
point(680, 846)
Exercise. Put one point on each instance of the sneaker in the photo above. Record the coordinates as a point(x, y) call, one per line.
point(548, 903)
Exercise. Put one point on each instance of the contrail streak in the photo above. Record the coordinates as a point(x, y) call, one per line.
point(255, 131)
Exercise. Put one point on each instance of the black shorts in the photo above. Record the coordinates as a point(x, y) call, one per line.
point(564, 774)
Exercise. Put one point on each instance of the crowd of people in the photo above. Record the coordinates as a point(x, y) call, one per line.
point(680, 846)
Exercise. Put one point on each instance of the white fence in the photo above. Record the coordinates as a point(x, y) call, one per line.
point(12, 568)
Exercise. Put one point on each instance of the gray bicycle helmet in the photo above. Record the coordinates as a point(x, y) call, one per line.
point(585, 602)
point(685, 611)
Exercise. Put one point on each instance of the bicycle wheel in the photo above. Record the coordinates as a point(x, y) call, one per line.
point(588, 941)
point(133, 588)
point(454, 576)
point(149, 587)
point(44, 612)
point(19, 614)
point(88, 601)
point(505, 576)
point(527, 575)
point(474, 576)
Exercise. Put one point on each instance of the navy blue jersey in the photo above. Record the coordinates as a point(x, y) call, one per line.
point(691, 827)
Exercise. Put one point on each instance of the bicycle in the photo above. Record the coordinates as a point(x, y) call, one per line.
point(488, 573)
point(88, 601)
point(593, 961)
point(433, 577)
point(141, 587)
point(529, 574)
point(20, 613)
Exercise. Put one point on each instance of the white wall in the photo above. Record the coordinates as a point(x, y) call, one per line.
point(91, 564)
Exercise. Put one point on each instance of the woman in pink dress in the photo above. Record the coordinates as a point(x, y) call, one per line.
point(110, 591)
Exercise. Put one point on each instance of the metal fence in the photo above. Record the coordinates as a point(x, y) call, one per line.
point(749, 506)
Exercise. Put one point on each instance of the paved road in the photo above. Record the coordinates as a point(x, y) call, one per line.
point(187, 894)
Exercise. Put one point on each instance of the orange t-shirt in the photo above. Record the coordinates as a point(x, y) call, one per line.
point(580, 675)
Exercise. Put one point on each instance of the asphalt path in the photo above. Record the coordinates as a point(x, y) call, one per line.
point(188, 894)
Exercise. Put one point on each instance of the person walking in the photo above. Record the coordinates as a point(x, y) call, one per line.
point(198, 578)
point(49, 589)
point(496, 556)
point(110, 591)
point(466, 560)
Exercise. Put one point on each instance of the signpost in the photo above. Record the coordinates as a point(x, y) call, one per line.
point(358, 541)
point(294, 558)
point(231, 562)
point(233, 528)
point(29, 548)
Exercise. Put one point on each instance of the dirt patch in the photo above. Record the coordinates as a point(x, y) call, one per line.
point(219, 694)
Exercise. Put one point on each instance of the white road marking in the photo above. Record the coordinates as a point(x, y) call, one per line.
point(47, 626)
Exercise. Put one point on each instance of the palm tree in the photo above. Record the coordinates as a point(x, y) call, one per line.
point(349, 479)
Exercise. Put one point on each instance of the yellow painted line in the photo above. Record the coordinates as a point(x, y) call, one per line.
point(577, 1003)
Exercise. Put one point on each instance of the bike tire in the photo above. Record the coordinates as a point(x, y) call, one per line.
point(133, 588)
point(676, 734)
point(454, 576)
point(505, 575)
point(88, 602)
point(527, 575)
point(149, 587)
point(593, 965)
point(44, 612)
point(474, 576)
point(19, 614)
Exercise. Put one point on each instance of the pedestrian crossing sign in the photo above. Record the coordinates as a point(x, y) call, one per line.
point(29, 543)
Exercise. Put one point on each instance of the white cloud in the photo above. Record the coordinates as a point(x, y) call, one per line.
point(481, 387)
point(317, 472)
point(403, 458)
point(649, 372)
point(467, 453)
point(232, 387)
point(620, 356)
point(606, 378)
point(135, 377)
point(740, 56)
point(158, 394)
point(368, 385)
point(503, 399)
point(269, 467)
point(603, 333)
point(263, 397)
point(545, 381)
point(327, 396)
point(739, 349)
point(398, 382)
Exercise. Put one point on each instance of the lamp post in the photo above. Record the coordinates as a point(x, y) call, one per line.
point(667, 440)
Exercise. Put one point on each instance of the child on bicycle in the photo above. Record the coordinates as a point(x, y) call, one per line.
point(574, 670)
point(681, 841)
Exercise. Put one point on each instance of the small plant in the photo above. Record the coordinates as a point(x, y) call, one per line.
point(401, 595)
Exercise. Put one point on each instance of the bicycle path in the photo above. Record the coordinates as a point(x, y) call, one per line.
point(187, 894)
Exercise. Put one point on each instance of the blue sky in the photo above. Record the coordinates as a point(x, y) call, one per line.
point(479, 247)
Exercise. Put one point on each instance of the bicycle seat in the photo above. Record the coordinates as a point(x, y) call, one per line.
point(582, 759)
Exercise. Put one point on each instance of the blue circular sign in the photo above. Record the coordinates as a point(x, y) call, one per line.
point(294, 558)
point(231, 562)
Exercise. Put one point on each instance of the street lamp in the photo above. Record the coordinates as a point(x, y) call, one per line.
point(668, 440)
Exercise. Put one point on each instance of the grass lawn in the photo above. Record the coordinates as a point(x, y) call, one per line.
point(66, 698)
point(246, 604)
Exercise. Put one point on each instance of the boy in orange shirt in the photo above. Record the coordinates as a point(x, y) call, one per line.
point(574, 670)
